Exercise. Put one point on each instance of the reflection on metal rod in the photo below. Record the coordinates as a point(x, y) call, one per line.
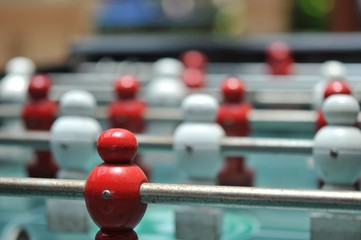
point(294, 121)
point(220, 196)
point(229, 145)
point(250, 197)
point(42, 187)
point(174, 115)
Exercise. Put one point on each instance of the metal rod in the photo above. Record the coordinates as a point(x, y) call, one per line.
point(234, 146)
point(218, 196)
point(175, 115)
point(260, 120)
point(301, 121)
point(32, 139)
point(222, 196)
point(230, 146)
point(42, 187)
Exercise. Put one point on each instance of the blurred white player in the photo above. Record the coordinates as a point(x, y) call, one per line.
point(337, 149)
point(197, 146)
point(14, 86)
point(168, 67)
point(14, 90)
point(197, 140)
point(164, 91)
point(72, 142)
point(337, 154)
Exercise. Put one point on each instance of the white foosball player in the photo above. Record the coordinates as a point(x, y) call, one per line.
point(164, 91)
point(14, 86)
point(337, 155)
point(168, 67)
point(14, 90)
point(72, 143)
point(197, 149)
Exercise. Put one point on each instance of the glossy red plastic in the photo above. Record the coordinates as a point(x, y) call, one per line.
point(43, 166)
point(117, 145)
point(332, 87)
point(127, 114)
point(122, 210)
point(233, 117)
point(233, 90)
point(39, 114)
point(279, 58)
point(126, 87)
point(39, 86)
point(235, 173)
point(193, 77)
point(194, 59)
point(336, 87)
point(124, 235)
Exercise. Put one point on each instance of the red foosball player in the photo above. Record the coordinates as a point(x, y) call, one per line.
point(233, 117)
point(39, 113)
point(128, 111)
point(279, 59)
point(194, 74)
point(112, 188)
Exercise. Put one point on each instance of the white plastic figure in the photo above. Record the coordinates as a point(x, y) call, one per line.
point(197, 139)
point(168, 67)
point(166, 88)
point(337, 149)
point(163, 92)
point(72, 142)
point(337, 154)
point(197, 149)
point(13, 87)
point(330, 70)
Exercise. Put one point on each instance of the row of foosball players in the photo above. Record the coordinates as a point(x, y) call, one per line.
point(118, 209)
point(191, 71)
point(39, 113)
point(200, 113)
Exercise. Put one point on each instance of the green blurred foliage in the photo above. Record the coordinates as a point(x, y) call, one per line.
point(312, 15)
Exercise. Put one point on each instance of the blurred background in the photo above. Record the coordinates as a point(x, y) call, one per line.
point(46, 30)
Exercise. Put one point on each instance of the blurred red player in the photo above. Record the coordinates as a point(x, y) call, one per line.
point(127, 111)
point(193, 77)
point(194, 73)
point(332, 87)
point(39, 113)
point(194, 59)
point(279, 59)
point(233, 117)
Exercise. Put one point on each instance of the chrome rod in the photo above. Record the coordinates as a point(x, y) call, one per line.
point(175, 115)
point(233, 146)
point(218, 196)
point(222, 196)
point(42, 187)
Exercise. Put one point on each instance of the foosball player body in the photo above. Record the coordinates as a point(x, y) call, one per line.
point(198, 154)
point(72, 143)
point(337, 155)
point(233, 117)
point(38, 114)
point(112, 188)
point(128, 112)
